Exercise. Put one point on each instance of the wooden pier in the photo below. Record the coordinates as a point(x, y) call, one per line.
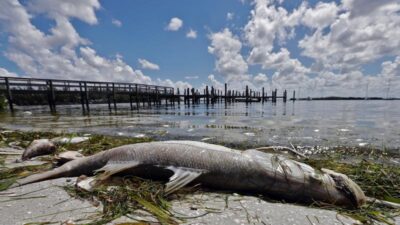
point(33, 91)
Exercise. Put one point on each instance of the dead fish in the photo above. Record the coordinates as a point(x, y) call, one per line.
point(37, 148)
point(67, 140)
point(184, 162)
point(67, 156)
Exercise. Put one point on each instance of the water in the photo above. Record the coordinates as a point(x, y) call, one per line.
point(306, 123)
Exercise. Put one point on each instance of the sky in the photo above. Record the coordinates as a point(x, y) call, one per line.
point(318, 48)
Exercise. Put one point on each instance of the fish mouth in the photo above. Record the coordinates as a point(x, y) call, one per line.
point(348, 187)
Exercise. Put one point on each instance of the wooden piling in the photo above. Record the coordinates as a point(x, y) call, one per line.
point(207, 96)
point(284, 96)
point(82, 97)
point(113, 96)
point(247, 93)
point(166, 96)
point(137, 96)
point(9, 95)
point(263, 95)
point(294, 95)
point(86, 96)
point(226, 87)
point(51, 95)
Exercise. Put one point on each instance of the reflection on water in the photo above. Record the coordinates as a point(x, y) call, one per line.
point(327, 123)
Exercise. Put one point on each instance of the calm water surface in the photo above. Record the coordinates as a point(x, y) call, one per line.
point(322, 123)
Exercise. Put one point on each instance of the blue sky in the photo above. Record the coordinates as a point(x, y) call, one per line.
point(261, 43)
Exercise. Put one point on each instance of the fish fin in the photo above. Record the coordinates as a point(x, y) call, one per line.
point(182, 176)
point(112, 168)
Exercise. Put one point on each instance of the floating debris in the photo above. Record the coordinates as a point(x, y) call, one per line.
point(140, 136)
point(362, 144)
point(207, 138)
point(250, 134)
point(27, 113)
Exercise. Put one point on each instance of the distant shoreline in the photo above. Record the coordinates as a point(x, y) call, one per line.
point(344, 98)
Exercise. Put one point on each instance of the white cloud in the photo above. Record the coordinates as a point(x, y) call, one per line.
point(322, 15)
point(230, 15)
point(82, 10)
point(174, 24)
point(191, 77)
point(179, 84)
point(229, 62)
point(116, 22)
point(6, 73)
point(148, 65)
point(214, 82)
point(191, 34)
point(361, 33)
point(260, 78)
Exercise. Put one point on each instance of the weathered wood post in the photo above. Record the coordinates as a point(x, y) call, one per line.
point(179, 96)
point(155, 97)
point(284, 96)
point(275, 95)
point(137, 96)
point(225, 91)
point(86, 96)
point(82, 98)
point(113, 96)
point(193, 96)
point(166, 96)
point(247, 93)
point(207, 96)
point(9, 94)
point(263, 95)
point(50, 95)
point(130, 96)
point(108, 96)
point(188, 96)
point(294, 95)
point(212, 95)
point(148, 96)
point(184, 96)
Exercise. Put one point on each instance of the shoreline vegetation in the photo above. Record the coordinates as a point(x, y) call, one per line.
point(370, 168)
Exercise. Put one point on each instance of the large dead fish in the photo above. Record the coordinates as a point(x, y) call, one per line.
point(184, 162)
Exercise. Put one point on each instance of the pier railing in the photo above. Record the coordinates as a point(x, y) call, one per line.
point(35, 91)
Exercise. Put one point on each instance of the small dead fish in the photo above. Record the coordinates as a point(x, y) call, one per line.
point(66, 140)
point(67, 156)
point(38, 147)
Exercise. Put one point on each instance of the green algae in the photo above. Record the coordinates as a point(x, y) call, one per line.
point(124, 196)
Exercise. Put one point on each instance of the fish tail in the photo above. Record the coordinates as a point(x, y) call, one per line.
point(77, 167)
point(55, 173)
